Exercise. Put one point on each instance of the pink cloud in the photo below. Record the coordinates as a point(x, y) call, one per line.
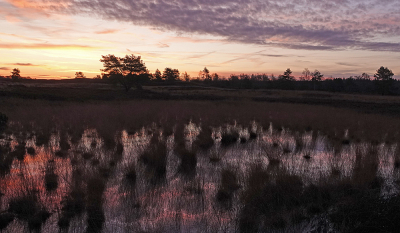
point(107, 31)
point(45, 46)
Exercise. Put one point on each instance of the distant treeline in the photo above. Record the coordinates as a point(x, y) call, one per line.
point(130, 71)
point(364, 84)
point(345, 85)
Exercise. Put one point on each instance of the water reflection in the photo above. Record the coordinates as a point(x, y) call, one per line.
point(193, 179)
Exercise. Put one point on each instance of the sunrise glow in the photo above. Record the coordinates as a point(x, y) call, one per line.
point(340, 38)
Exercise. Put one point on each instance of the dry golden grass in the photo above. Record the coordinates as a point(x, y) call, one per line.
point(112, 116)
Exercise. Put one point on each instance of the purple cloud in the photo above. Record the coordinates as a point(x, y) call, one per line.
point(23, 64)
point(294, 24)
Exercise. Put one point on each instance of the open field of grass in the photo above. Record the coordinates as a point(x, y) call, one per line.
point(96, 90)
point(192, 158)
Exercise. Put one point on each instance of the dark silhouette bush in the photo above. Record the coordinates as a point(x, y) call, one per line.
point(188, 162)
point(204, 140)
point(229, 138)
point(155, 159)
point(31, 151)
point(229, 184)
point(27, 208)
point(19, 152)
point(130, 174)
point(72, 205)
point(3, 121)
point(50, 178)
point(5, 220)
point(61, 154)
point(87, 155)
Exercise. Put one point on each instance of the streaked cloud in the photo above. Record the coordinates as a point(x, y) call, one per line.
point(162, 45)
point(346, 64)
point(23, 64)
point(20, 36)
point(200, 55)
point(45, 46)
point(4, 68)
point(332, 25)
point(107, 31)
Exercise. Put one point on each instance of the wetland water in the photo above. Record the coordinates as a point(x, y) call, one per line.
point(188, 178)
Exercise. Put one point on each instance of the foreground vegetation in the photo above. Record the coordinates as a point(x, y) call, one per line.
point(249, 162)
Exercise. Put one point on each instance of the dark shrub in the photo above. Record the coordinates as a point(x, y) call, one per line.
point(252, 136)
point(50, 178)
point(31, 151)
point(36, 221)
point(19, 152)
point(188, 162)
point(5, 219)
point(24, 207)
point(72, 205)
point(109, 143)
point(87, 155)
point(27, 208)
point(204, 140)
point(130, 174)
point(61, 154)
point(64, 145)
point(155, 159)
point(229, 138)
point(228, 186)
point(42, 139)
point(3, 121)
point(95, 219)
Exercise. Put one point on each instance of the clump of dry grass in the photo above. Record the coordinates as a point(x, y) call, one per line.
point(272, 198)
point(31, 151)
point(130, 174)
point(188, 161)
point(88, 155)
point(28, 208)
point(72, 205)
point(61, 154)
point(50, 178)
point(229, 184)
point(76, 117)
point(155, 159)
point(229, 138)
point(204, 140)
point(19, 151)
point(215, 156)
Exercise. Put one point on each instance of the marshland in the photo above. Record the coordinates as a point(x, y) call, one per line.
point(196, 159)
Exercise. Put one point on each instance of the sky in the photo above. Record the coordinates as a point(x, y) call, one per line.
point(340, 38)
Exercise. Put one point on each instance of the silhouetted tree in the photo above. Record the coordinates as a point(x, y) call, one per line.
point(233, 80)
point(383, 74)
point(286, 76)
point(364, 76)
point(15, 74)
point(128, 71)
point(157, 75)
point(316, 76)
point(79, 75)
point(384, 80)
point(215, 77)
point(306, 74)
point(205, 74)
point(264, 77)
point(170, 74)
point(185, 77)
